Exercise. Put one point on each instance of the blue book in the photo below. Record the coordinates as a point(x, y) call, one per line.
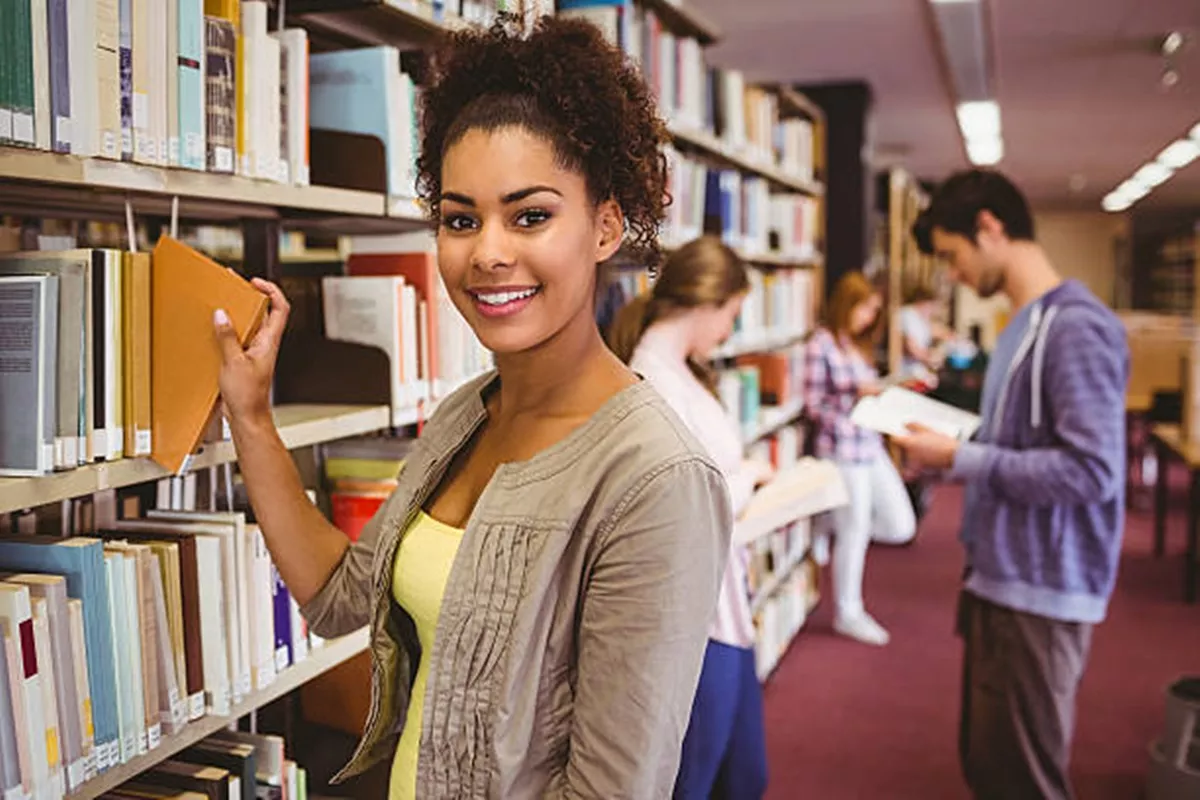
point(190, 75)
point(81, 561)
point(362, 91)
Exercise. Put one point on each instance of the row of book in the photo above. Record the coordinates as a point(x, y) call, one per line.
point(116, 352)
point(695, 96)
point(741, 208)
point(129, 635)
point(232, 764)
point(398, 303)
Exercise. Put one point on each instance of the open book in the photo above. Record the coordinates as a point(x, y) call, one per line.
point(809, 487)
point(891, 411)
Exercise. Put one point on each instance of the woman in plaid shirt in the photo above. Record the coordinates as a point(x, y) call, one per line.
point(838, 371)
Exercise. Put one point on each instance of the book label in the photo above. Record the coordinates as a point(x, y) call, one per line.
point(89, 765)
point(218, 701)
point(76, 774)
point(173, 150)
point(63, 130)
point(143, 745)
point(266, 675)
point(143, 443)
point(108, 146)
point(196, 706)
point(5, 123)
point(245, 684)
point(22, 128)
point(281, 659)
point(154, 736)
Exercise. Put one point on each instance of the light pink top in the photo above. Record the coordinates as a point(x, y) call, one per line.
point(657, 359)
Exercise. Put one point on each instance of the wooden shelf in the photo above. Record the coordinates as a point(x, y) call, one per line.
point(299, 426)
point(372, 23)
point(771, 419)
point(39, 178)
point(710, 145)
point(683, 20)
point(320, 660)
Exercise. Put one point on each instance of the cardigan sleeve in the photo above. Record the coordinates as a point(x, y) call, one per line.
point(646, 611)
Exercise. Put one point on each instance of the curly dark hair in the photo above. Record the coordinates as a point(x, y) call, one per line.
point(564, 82)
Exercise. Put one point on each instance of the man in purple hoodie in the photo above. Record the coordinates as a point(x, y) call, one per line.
point(1044, 490)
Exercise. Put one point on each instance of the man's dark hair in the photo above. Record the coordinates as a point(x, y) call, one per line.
point(957, 202)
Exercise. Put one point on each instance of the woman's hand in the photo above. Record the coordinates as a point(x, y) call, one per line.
point(246, 374)
point(869, 390)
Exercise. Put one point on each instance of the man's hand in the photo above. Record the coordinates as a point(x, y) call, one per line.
point(926, 448)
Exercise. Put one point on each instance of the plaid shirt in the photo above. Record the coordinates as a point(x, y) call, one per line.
point(832, 377)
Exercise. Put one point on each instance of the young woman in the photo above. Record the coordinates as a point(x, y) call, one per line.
point(839, 371)
point(667, 335)
point(539, 586)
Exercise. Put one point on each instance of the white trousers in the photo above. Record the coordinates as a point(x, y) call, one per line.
point(879, 510)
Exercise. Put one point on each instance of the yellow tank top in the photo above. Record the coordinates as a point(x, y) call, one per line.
point(419, 576)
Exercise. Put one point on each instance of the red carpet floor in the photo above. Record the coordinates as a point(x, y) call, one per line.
point(846, 721)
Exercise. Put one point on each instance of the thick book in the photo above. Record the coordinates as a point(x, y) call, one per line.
point(891, 412)
point(187, 288)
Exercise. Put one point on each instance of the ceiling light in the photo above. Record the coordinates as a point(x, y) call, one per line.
point(1153, 174)
point(1179, 153)
point(1133, 190)
point(986, 151)
point(950, 2)
point(979, 119)
point(1113, 203)
point(1195, 134)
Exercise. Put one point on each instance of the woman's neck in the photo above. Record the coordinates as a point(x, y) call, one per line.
point(671, 337)
point(572, 373)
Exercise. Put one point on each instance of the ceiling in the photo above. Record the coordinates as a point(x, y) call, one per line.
point(1078, 83)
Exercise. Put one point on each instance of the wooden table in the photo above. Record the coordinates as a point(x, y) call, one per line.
point(1171, 445)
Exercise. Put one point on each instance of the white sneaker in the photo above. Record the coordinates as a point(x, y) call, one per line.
point(862, 627)
point(820, 549)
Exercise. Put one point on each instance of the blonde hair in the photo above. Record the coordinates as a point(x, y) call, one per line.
point(853, 288)
point(703, 272)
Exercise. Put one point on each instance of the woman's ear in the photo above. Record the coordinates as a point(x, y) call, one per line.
point(610, 227)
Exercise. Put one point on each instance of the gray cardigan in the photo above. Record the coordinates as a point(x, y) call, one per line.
point(574, 619)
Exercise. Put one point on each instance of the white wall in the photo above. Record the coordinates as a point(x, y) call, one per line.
point(1083, 245)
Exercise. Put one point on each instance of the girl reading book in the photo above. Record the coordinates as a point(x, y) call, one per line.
point(540, 585)
point(839, 370)
point(668, 334)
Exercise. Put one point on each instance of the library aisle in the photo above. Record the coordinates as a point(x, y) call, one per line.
point(844, 721)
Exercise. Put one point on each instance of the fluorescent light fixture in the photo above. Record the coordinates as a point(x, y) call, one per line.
point(1113, 202)
point(979, 119)
point(950, 2)
point(1133, 190)
point(1153, 174)
point(985, 152)
point(1195, 134)
point(1179, 153)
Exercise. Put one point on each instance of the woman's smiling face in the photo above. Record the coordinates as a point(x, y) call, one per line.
point(519, 238)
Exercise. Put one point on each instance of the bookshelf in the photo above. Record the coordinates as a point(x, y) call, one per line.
point(299, 426)
point(39, 183)
point(318, 662)
point(905, 265)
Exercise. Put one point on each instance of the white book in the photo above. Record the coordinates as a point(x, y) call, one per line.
point(54, 741)
point(809, 487)
point(891, 412)
point(82, 690)
point(16, 613)
point(214, 650)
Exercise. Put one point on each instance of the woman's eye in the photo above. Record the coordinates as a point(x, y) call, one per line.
point(457, 222)
point(531, 217)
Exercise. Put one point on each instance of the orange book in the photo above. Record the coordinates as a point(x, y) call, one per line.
point(136, 300)
point(187, 287)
